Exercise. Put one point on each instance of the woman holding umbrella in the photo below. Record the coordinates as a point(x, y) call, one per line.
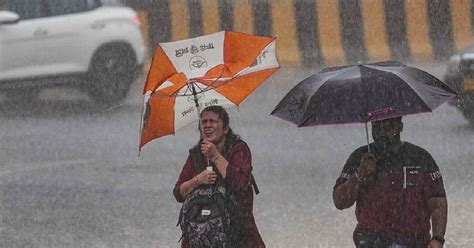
point(230, 158)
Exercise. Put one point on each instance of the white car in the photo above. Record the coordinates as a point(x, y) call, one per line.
point(90, 44)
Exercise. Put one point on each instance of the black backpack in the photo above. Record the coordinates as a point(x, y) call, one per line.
point(210, 215)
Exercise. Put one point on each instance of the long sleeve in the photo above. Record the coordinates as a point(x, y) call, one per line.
point(186, 174)
point(240, 167)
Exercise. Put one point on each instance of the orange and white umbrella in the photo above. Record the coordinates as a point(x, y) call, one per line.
point(185, 76)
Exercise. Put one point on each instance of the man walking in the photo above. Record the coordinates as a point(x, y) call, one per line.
point(398, 189)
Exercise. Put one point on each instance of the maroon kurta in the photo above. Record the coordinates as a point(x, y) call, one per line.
point(238, 177)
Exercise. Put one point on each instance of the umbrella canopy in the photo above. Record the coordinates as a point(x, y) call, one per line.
point(217, 69)
point(362, 93)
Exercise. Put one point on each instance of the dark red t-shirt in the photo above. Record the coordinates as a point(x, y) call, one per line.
point(238, 175)
point(395, 202)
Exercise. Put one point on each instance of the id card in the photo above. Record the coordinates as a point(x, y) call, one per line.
point(410, 176)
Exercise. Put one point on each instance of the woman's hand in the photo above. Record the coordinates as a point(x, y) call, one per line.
point(209, 150)
point(206, 177)
point(435, 244)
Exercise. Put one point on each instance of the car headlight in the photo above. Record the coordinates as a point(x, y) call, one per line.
point(453, 62)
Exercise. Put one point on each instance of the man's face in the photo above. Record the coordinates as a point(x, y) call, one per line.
point(212, 127)
point(386, 132)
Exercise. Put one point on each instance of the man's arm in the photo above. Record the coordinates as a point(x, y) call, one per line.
point(345, 194)
point(437, 201)
point(439, 216)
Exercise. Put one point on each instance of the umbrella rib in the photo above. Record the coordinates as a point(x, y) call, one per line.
point(201, 89)
point(414, 90)
point(423, 103)
point(185, 92)
point(397, 74)
point(216, 81)
point(310, 99)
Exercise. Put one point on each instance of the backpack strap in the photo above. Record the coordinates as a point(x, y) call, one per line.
point(252, 180)
point(196, 156)
point(254, 184)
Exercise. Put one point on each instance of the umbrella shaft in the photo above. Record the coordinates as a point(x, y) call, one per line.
point(367, 135)
point(195, 98)
point(195, 95)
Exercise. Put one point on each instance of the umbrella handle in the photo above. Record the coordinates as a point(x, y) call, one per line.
point(367, 134)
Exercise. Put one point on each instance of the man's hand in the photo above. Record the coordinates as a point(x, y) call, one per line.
point(367, 166)
point(435, 244)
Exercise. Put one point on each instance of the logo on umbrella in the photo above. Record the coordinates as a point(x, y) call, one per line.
point(194, 49)
point(197, 62)
point(180, 52)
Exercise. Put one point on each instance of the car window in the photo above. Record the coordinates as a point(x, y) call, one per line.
point(64, 7)
point(26, 9)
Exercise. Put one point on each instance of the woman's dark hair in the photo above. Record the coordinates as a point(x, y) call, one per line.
point(230, 137)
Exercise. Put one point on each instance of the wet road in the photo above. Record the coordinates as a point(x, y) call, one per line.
point(70, 175)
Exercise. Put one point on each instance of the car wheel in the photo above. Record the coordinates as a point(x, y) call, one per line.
point(111, 75)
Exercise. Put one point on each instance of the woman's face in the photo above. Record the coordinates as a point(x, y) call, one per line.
point(212, 127)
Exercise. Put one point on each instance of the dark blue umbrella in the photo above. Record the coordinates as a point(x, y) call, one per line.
point(362, 93)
